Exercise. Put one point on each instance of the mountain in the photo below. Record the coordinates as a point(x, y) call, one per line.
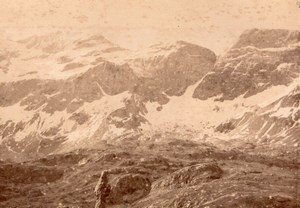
point(259, 60)
point(262, 67)
point(172, 125)
point(79, 90)
point(88, 88)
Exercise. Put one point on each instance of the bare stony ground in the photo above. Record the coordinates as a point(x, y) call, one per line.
point(172, 173)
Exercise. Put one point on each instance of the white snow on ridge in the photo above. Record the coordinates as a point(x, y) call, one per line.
point(283, 112)
point(60, 120)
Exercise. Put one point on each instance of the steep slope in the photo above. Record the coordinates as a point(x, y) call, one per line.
point(171, 68)
point(259, 60)
point(259, 78)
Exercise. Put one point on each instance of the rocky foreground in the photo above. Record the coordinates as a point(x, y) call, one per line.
point(170, 173)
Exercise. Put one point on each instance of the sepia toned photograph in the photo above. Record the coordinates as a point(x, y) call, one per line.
point(149, 104)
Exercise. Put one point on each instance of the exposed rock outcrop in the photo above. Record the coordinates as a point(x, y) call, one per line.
point(191, 176)
point(120, 189)
point(129, 188)
point(260, 59)
point(102, 190)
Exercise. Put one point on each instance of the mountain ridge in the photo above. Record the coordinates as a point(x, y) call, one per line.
point(106, 91)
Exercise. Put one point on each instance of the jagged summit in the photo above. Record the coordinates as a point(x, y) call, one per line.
point(267, 38)
point(259, 60)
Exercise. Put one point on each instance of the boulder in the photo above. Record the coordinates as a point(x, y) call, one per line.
point(128, 188)
point(190, 176)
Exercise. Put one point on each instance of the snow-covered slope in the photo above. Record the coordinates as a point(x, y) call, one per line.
point(277, 124)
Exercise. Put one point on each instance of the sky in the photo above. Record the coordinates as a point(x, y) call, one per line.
point(137, 23)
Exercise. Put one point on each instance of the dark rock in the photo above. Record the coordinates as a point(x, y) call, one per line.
point(189, 176)
point(27, 174)
point(102, 190)
point(250, 66)
point(225, 127)
point(129, 188)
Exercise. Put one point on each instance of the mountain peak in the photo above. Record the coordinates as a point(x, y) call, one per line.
point(267, 38)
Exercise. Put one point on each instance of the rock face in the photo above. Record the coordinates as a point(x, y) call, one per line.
point(184, 65)
point(102, 190)
point(225, 127)
point(120, 189)
point(129, 188)
point(191, 176)
point(259, 60)
point(271, 38)
point(131, 116)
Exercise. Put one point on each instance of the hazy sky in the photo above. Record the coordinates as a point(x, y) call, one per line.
point(134, 23)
